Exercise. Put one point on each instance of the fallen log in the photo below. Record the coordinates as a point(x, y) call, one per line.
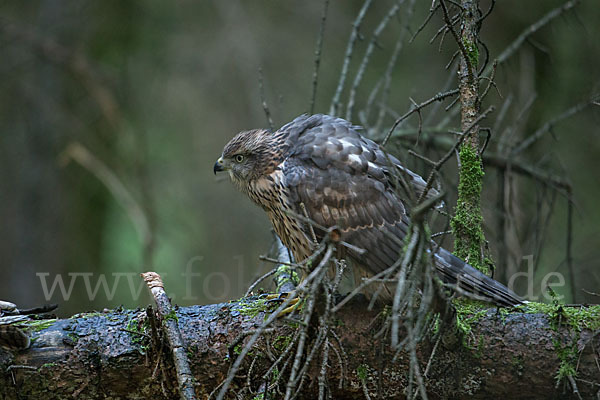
point(540, 352)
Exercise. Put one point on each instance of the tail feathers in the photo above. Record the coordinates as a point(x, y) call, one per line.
point(471, 282)
point(13, 338)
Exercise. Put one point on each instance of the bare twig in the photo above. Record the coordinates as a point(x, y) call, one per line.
point(437, 97)
point(547, 127)
point(506, 162)
point(185, 378)
point(569, 245)
point(263, 100)
point(259, 280)
point(309, 280)
point(318, 48)
point(530, 30)
point(365, 61)
point(491, 81)
point(459, 42)
point(335, 102)
point(424, 24)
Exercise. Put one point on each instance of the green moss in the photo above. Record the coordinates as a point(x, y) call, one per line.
point(36, 325)
point(361, 371)
point(137, 332)
point(576, 319)
point(472, 52)
point(285, 274)
point(87, 315)
point(172, 315)
point(251, 307)
point(480, 347)
point(282, 342)
point(274, 375)
point(468, 312)
point(467, 221)
point(517, 361)
point(73, 336)
point(568, 360)
point(237, 350)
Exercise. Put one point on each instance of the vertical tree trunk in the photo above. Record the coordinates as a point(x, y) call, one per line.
point(467, 222)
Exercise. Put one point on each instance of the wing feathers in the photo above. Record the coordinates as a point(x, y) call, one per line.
point(344, 179)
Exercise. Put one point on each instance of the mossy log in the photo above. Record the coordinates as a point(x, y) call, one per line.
point(514, 354)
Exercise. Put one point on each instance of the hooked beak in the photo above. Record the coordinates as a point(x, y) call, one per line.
point(219, 166)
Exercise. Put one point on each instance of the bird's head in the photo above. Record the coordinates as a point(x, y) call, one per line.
point(249, 155)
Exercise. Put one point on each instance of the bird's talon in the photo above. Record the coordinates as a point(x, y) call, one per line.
point(276, 297)
point(280, 298)
point(294, 304)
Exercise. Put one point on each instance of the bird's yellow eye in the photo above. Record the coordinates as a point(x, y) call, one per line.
point(239, 158)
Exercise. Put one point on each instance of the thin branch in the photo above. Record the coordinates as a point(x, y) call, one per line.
point(185, 378)
point(424, 24)
point(318, 48)
point(390, 68)
point(263, 100)
point(335, 102)
point(569, 245)
point(530, 30)
point(459, 42)
point(507, 162)
point(547, 127)
point(259, 280)
point(437, 97)
point(238, 362)
point(487, 13)
point(365, 61)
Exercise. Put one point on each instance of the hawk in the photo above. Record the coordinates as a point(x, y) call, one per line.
point(321, 166)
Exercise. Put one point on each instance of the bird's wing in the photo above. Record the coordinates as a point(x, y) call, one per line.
point(329, 141)
point(343, 180)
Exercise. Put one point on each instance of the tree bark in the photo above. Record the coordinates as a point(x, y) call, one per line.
point(467, 223)
point(514, 355)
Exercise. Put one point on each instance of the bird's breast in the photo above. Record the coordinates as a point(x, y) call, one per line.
point(271, 193)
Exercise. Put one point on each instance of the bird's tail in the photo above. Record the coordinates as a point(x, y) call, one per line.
point(470, 282)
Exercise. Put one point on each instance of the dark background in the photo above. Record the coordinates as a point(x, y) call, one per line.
point(153, 90)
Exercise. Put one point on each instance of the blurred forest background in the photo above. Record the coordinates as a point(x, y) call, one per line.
point(112, 114)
